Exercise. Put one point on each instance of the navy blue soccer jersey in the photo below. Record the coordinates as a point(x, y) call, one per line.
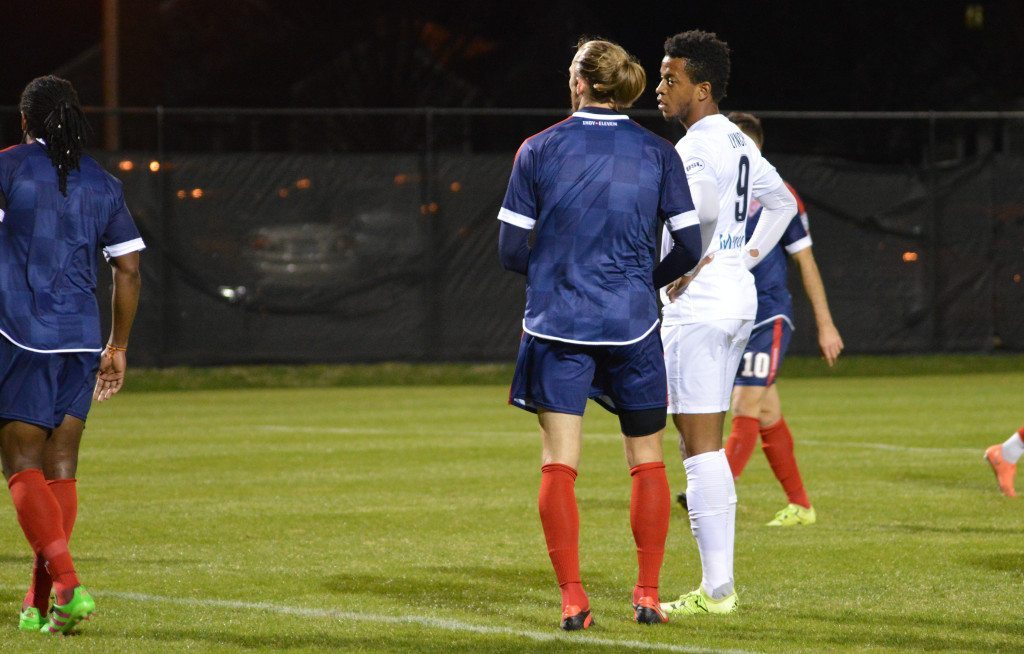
point(49, 245)
point(770, 276)
point(595, 188)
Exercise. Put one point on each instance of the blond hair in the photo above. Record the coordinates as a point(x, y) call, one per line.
point(614, 75)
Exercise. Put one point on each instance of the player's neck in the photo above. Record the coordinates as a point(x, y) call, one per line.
point(702, 111)
point(587, 103)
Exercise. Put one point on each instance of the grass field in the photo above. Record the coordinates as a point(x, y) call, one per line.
point(404, 519)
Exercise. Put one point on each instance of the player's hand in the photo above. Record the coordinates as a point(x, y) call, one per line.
point(831, 344)
point(110, 377)
point(676, 288)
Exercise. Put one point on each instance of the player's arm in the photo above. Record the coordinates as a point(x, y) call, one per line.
point(518, 213)
point(124, 302)
point(514, 248)
point(676, 206)
point(779, 208)
point(829, 340)
point(698, 161)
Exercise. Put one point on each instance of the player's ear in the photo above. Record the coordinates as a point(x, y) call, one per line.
point(703, 91)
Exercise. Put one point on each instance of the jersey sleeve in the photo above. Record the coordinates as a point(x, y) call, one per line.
point(519, 207)
point(675, 205)
point(121, 236)
point(763, 176)
point(797, 235)
point(698, 160)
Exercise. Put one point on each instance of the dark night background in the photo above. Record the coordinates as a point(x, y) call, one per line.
point(786, 54)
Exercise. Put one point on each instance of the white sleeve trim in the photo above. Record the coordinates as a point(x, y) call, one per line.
point(121, 249)
point(796, 246)
point(517, 219)
point(681, 220)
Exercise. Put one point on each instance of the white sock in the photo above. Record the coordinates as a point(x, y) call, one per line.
point(711, 498)
point(1013, 448)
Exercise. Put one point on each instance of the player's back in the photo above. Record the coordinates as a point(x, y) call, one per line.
point(597, 180)
point(49, 242)
point(714, 149)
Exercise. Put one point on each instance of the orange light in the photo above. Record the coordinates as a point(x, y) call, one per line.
point(197, 193)
point(1016, 278)
point(154, 166)
point(182, 194)
point(908, 257)
point(126, 165)
point(433, 207)
point(303, 183)
point(423, 209)
point(455, 187)
point(282, 192)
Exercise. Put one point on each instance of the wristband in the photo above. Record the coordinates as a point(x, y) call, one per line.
point(116, 349)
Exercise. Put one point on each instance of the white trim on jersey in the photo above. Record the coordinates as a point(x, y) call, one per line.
point(587, 114)
point(32, 349)
point(796, 246)
point(681, 220)
point(3, 214)
point(773, 319)
point(121, 249)
point(567, 340)
point(517, 219)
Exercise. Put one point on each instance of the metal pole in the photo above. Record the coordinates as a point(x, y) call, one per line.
point(934, 234)
point(111, 73)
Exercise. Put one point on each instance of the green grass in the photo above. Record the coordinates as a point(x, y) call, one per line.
point(385, 506)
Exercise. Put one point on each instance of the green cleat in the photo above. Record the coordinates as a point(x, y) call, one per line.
point(697, 602)
point(794, 515)
point(30, 619)
point(64, 617)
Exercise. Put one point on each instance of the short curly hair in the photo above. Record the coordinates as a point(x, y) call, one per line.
point(707, 59)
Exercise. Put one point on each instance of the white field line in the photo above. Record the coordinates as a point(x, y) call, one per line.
point(607, 436)
point(441, 624)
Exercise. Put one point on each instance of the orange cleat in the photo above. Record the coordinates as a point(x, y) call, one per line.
point(1005, 472)
point(575, 619)
point(647, 610)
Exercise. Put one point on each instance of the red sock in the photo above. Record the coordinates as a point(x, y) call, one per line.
point(741, 443)
point(649, 508)
point(1020, 433)
point(561, 521)
point(40, 517)
point(65, 492)
point(777, 443)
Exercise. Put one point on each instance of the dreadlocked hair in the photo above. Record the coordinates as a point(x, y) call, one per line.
point(53, 113)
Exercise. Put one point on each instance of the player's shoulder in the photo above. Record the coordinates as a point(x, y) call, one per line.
point(537, 141)
point(17, 152)
point(98, 176)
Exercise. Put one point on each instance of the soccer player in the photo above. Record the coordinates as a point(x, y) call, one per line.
point(1003, 459)
point(59, 209)
point(708, 317)
point(594, 190)
point(756, 407)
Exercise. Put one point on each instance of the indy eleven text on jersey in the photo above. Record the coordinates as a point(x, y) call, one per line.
point(594, 188)
point(715, 150)
point(49, 245)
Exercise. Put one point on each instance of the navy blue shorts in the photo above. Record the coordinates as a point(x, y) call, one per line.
point(765, 350)
point(41, 389)
point(561, 376)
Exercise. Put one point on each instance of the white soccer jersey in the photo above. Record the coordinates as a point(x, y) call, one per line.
point(714, 149)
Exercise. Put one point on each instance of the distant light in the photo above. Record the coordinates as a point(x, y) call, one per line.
point(432, 207)
point(126, 164)
point(423, 209)
point(1016, 278)
point(282, 192)
point(974, 17)
point(455, 187)
point(909, 257)
point(303, 183)
point(197, 193)
point(401, 179)
point(154, 166)
point(182, 194)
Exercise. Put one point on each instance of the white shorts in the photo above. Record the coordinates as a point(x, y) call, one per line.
point(701, 360)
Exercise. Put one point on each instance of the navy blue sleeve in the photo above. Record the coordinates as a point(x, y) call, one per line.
point(675, 204)
point(519, 207)
point(683, 257)
point(514, 248)
point(120, 235)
